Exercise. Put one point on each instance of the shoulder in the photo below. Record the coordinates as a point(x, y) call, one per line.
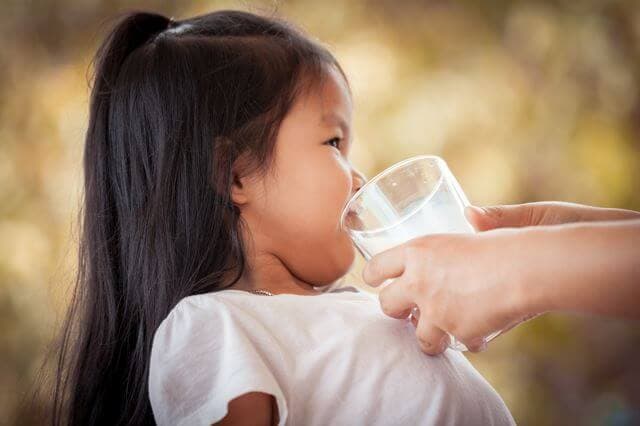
point(192, 309)
point(199, 303)
point(203, 358)
point(199, 330)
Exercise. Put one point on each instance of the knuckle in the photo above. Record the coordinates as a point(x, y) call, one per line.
point(416, 281)
point(413, 284)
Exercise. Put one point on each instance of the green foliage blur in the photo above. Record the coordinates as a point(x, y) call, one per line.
point(526, 101)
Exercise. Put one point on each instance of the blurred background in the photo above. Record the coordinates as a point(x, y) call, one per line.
point(525, 100)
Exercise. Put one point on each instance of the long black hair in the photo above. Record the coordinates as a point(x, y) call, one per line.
point(174, 105)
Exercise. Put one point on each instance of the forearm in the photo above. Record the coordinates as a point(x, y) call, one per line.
point(584, 267)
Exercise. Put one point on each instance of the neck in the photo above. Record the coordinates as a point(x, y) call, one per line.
point(266, 271)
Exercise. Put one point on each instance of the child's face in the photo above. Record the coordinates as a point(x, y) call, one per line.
point(294, 212)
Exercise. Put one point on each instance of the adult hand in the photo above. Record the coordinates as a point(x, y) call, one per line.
point(461, 283)
point(471, 285)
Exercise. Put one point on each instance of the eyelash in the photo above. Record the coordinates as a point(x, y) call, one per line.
point(335, 139)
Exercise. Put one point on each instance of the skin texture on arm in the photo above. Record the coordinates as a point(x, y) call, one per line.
point(474, 284)
point(591, 268)
point(609, 243)
point(251, 409)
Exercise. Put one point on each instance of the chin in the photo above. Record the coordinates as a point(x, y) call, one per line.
point(339, 269)
point(340, 258)
point(346, 261)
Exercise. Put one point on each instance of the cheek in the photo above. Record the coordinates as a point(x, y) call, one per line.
point(312, 197)
point(307, 211)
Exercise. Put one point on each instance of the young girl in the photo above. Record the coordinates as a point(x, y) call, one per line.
point(216, 168)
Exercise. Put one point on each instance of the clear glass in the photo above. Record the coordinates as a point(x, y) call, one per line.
point(415, 197)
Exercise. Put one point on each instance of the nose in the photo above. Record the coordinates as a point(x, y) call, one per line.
point(358, 180)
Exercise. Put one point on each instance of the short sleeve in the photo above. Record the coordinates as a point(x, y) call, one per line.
point(200, 361)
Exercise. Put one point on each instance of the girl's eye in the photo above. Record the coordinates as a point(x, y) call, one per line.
point(335, 141)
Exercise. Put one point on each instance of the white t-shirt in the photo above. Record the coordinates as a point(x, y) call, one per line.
point(329, 359)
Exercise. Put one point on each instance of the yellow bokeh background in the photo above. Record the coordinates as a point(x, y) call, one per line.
point(526, 101)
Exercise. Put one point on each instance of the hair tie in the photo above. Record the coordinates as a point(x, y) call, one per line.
point(176, 27)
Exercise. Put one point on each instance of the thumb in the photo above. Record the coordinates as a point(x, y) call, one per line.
point(509, 216)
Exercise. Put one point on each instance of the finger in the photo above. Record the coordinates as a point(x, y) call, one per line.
point(478, 344)
point(476, 217)
point(431, 339)
point(388, 264)
point(394, 301)
point(507, 216)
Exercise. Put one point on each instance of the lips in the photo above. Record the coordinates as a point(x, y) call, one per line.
point(351, 217)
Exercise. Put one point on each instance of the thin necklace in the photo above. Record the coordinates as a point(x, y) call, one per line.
point(263, 292)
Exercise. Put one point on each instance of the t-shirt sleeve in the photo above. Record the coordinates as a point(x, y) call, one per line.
point(200, 361)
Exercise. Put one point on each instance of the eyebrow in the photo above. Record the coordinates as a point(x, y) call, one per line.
point(334, 118)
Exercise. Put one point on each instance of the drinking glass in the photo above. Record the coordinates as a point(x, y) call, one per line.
point(415, 197)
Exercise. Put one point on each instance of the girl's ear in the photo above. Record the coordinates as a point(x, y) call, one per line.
point(239, 190)
point(241, 184)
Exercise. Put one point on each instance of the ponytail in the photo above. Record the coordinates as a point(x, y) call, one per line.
point(95, 394)
point(132, 31)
